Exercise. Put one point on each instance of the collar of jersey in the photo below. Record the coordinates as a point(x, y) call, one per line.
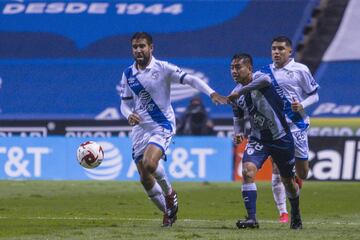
point(148, 67)
point(288, 66)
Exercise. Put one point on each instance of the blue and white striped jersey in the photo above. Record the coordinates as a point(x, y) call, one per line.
point(149, 91)
point(265, 109)
point(296, 82)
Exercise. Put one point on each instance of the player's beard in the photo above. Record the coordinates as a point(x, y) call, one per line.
point(143, 62)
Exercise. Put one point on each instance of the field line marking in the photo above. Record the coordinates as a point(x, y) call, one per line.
point(158, 219)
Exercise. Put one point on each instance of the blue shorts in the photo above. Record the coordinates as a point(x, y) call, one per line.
point(281, 151)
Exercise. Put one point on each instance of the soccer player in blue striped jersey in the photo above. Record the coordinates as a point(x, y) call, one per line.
point(270, 136)
point(145, 94)
point(299, 91)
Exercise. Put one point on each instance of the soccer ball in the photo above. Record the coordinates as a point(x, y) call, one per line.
point(90, 154)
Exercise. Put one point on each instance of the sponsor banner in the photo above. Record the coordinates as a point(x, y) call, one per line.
point(341, 127)
point(334, 158)
point(345, 127)
point(113, 17)
point(54, 158)
point(330, 158)
point(338, 90)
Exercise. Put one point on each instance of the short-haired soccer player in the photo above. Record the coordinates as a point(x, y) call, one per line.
point(299, 92)
point(270, 136)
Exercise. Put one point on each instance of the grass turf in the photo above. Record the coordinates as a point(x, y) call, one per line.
point(121, 210)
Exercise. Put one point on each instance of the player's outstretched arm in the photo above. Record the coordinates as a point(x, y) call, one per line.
point(232, 97)
point(218, 99)
point(200, 85)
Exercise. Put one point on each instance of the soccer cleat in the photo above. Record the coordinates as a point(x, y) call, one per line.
point(299, 181)
point(247, 223)
point(284, 218)
point(171, 209)
point(167, 221)
point(296, 222)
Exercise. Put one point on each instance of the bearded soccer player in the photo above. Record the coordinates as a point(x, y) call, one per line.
point(145, 102)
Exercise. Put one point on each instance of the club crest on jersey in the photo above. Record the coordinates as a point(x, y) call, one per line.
point(290, 74)
point(241, 101)
point(155, 75)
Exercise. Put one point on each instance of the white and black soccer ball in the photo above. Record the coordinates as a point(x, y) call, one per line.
point(90, 154)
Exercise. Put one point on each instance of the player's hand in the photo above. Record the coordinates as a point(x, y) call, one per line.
point(218, 99)
point(238, 138)
point(296, 106)
point(134, 119)
point(232, 97)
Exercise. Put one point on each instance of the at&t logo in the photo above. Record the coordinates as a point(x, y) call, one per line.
point(110, 167)
point(23, 162)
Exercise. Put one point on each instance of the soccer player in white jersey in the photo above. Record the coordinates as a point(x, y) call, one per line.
point(270, 136)
point(300, 91)
point(145, 94)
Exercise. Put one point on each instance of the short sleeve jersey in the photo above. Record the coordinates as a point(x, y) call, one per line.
point(149, 91)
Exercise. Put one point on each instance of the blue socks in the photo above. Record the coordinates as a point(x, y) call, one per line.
point(249, 194)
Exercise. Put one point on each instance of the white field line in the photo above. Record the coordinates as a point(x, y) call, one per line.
point(156, 220)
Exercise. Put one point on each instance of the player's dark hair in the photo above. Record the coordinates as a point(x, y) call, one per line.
point(284, 39)
point(247, 59)
point(142, 35)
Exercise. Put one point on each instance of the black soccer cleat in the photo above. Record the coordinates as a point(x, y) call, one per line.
point(296, 222)
point(172, 208)
point(247, 223)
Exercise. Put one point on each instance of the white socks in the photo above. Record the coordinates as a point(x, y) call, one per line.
point(279, 194)
point(156, 195)
point(162, 179)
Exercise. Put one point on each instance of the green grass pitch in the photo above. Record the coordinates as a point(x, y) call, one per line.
point(121, 210)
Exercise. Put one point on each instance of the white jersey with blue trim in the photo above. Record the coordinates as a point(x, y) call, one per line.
point(265, 109)
point(297, 83)
point(149, 90)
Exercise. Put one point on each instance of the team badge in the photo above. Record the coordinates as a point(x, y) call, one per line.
point(155, 75)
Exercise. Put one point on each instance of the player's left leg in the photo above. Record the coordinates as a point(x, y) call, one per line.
point(293, 194)
point(282, 152)
point(254, 158)
point(169, 192)
point(301, 154)
point(279, 194)
point(160, 140)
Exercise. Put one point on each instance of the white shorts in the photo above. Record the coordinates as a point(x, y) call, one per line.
point(141, 138)
point(301, 144)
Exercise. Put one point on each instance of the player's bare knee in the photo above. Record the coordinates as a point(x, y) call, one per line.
point(302, 174)
point(288, 183)
point(248, 175)
point(150, 166)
